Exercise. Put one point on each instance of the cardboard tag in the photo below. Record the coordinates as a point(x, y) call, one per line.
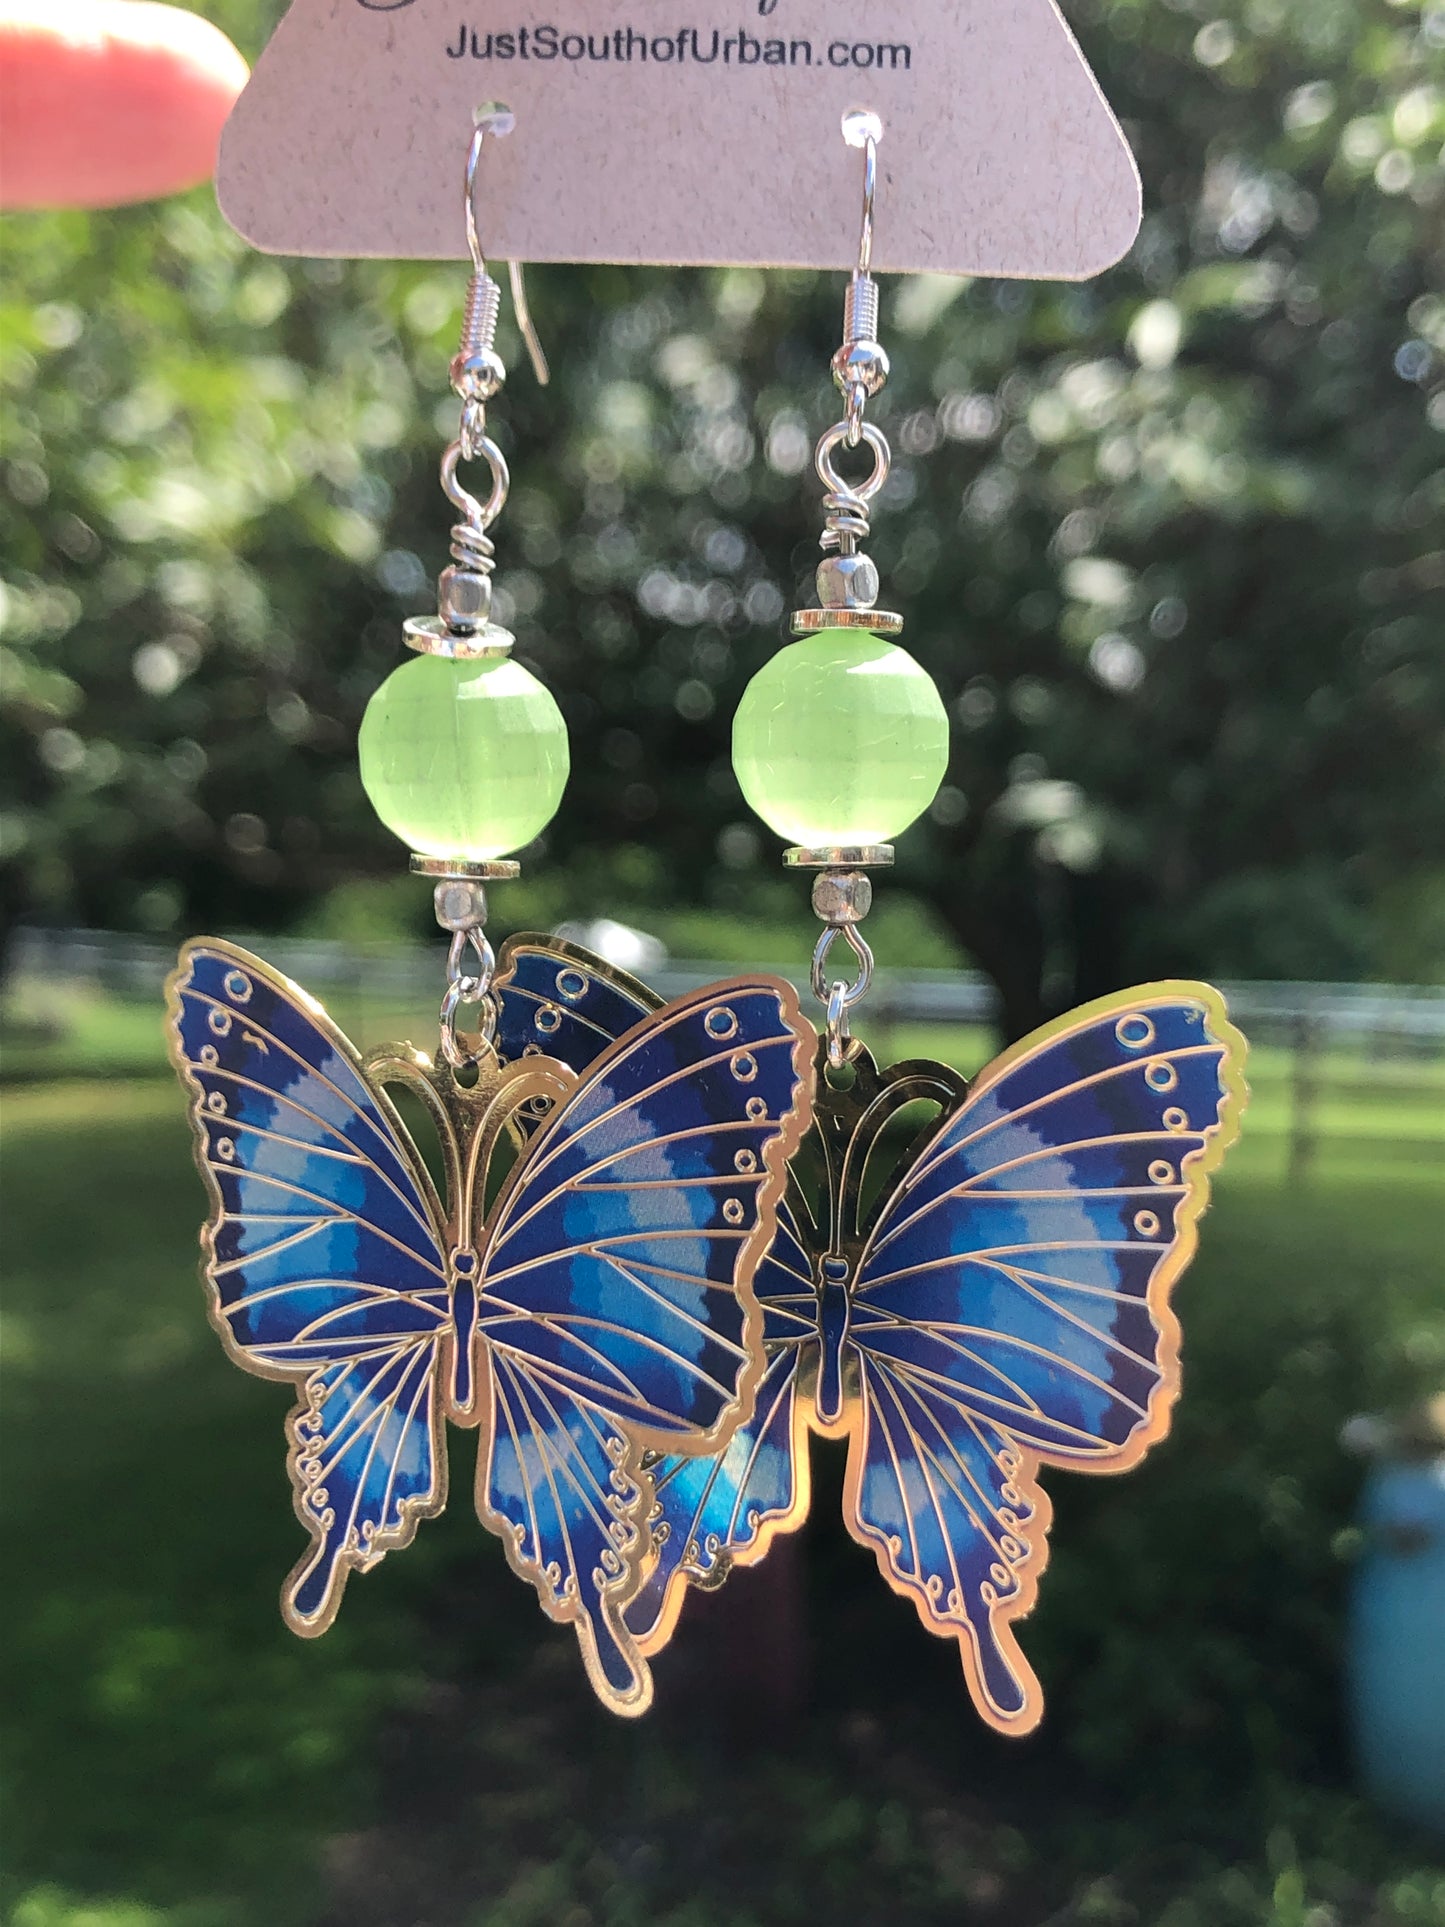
point(692, 132)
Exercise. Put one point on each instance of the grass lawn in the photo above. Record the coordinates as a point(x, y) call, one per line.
point(175, 1758)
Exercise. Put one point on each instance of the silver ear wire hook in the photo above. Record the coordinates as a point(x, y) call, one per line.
point(860, 366)
point(525, 324)
point(495, 121)
point(847, 579)
point(871, 130)
point(464, 590)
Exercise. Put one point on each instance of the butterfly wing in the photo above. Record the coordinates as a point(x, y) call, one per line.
point(949, 1506)
point(562, 1486)
point(322, 1257)
point(1012, 1307)
point(616, 1296)
point(620, 1256)
point(562, 1477)
point(714, 1513)
point(555, 1000)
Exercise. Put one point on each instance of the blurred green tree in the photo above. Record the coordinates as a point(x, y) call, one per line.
point(1170, 542)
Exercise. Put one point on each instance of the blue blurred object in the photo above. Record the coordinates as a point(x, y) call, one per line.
point(1396, 1678)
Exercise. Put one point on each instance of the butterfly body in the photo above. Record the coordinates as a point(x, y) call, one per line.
point(599, 1306)
point(834, 1343)
point(461, 1401)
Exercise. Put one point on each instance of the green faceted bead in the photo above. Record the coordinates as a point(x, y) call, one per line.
point(841, 739)
point(464, 758)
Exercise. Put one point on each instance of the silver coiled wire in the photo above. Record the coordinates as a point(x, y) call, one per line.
point(480, 312)
point(473, 548)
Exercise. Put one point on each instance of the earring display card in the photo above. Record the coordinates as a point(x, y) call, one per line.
point(704, 133)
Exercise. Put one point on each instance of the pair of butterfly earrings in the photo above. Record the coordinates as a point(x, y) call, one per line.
point(719, 1232)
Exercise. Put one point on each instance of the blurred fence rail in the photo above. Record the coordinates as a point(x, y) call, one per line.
point(1331, 1061)
point(1392, 1015)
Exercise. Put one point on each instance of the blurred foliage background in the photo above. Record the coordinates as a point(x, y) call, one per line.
point(1171, 543)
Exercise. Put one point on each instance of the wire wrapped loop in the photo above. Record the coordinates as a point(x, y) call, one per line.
point(841, 996)
point(847, 506)
point(461, 1048)
point(837, 437)
point(481, 515)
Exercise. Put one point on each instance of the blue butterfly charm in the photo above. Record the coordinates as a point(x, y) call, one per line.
point(600, 1309)
point(1003, 1305)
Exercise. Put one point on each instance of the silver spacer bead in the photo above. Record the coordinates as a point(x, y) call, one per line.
point(848, 582)
point(842, 897)
point(464, 599)
point(461, 904)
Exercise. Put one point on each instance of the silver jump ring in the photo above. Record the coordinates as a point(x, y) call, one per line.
point(460, 1048)
point(480, 514)
point(843, 1046)
point(837, 437)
